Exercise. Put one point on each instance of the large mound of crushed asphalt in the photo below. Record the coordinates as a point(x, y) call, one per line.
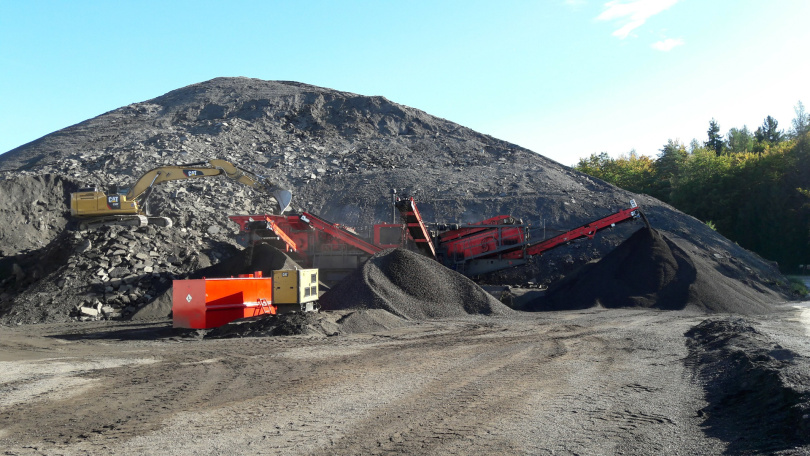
point(412, 286)
point(747, 376)
point(291, 324)
point(321, 160)
point(650, 270)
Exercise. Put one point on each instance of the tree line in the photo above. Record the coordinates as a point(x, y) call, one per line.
point(751, 186)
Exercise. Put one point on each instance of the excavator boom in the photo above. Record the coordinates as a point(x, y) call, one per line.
point(144, 185)
point(126, 207)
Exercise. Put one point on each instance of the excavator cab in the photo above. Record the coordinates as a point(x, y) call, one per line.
point(116, 190)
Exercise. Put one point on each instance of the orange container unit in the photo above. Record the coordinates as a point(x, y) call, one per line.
point(208, 303)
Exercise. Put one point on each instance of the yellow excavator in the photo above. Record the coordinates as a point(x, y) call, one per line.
point(127, 206)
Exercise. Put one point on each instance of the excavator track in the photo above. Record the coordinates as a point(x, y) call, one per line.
point(121, 220)
point(163, 222)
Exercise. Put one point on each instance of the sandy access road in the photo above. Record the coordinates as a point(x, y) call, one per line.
point(582, 382)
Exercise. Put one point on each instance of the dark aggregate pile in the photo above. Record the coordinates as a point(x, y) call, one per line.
point(33, 211)
point(289, 324)
point(758, 392)
point(649, 270)
point(312, 323)
point(412, 286)
point(339, 153)
point(265, 258)
point(369, 320)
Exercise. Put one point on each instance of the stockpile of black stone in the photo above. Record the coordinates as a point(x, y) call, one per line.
point(310, 324)
point(412, 286)
point(757, 391)
point(264, 258)
point(644, 271)
point(339, 153)
point(649, 270)
point(290, 324)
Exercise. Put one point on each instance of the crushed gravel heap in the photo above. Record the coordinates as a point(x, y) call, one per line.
point(265, 258)
point(369, 320)
point(757, 390)
point(290, 324)
point(412, 286)
point(652, 271)
point(341, 155)
point(311, 324)
point(33, 211)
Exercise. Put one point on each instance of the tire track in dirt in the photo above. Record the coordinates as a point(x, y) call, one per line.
point(586, 382)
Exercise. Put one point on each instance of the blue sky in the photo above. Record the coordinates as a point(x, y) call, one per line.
point(564, 78)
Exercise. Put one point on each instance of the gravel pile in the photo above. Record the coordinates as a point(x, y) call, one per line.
point(369, 320)
point(33, 211)
point(411, 286)
point(339, 153)
point(109, 273)
point(267, 259)
point(649, 270)
point(758, 393)
point(290, 324)
point(312, 324)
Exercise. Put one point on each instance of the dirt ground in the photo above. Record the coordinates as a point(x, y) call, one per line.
point(589, 381)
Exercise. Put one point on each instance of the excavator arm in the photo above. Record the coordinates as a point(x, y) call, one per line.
point(141, 190)
point(128, 206)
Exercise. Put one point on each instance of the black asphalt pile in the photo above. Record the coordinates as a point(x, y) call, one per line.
point(311, 324)
point(289, 324)
point(645, 271)
point(411, 286)
point(265, 258)
point(33, 211)
point(649, 270)
point(758, 392)
point(340, 154)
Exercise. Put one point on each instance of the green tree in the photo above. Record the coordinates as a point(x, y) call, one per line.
point(801, 124)
point(632, 172)
point(600, 165)
point(668, 168)
point(715, 141)
point(740, 140)
point(768, 132)
point(759, 200)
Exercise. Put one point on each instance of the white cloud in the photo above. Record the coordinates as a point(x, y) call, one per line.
point(632, 14)
point(667, 44)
